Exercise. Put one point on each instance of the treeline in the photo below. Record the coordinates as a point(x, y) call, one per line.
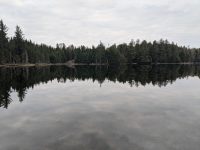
point(21, 79)
point(19, 50)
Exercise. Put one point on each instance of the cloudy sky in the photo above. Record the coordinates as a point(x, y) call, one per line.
point(111, 21)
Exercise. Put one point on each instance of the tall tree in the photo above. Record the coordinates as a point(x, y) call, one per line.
point(100, 53)
point(20, 51)
point(4, 54)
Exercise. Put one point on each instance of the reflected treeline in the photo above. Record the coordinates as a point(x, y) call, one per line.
point(21, 79)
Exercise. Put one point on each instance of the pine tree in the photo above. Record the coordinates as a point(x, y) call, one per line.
point(21, 53)
point(4, 53)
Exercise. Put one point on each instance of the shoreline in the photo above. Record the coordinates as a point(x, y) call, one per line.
point(48, 64)
point(81, 64)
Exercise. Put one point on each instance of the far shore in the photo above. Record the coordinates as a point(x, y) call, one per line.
point(81, 64)
point(49, 64)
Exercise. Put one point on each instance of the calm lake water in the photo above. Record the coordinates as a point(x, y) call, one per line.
point(100, 108)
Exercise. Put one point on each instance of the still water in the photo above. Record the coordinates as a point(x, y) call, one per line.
point(100, 108)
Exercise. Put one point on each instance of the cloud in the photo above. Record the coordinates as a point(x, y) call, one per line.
point(111, 21)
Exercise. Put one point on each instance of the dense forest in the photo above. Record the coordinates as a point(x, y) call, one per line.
point(17, 50)
point(21, 79)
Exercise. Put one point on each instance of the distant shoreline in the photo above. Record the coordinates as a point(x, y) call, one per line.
point(81, 64)
point(50, 64)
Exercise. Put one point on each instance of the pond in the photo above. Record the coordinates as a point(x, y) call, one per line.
point(100, 108)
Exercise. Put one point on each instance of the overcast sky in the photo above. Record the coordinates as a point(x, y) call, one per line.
point(111, 21)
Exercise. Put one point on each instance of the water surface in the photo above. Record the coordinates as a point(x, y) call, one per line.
point(100, 108)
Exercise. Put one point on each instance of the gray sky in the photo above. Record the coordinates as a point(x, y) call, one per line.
point(111, 21)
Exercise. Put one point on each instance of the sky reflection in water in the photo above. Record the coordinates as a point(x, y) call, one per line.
point(114, 116)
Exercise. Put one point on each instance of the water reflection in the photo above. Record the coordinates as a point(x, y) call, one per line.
point(21, 79)
point(127, 108)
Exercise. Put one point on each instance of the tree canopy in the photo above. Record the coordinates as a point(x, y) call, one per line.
point(17, 49)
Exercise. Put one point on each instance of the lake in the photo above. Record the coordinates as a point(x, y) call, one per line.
point(100, 108)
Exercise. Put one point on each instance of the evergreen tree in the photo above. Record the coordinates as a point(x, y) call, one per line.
point(4, 52)
point(20, 51)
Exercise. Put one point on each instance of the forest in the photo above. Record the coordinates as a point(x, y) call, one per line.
point(18, 50)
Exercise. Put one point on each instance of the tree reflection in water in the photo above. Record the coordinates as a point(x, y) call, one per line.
point(20, 79)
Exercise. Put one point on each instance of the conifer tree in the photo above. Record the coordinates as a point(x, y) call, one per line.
point(4, 54)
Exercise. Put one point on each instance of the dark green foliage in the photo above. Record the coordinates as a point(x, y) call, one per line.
point(4, 49)
point(18, 50)
point(19, 54)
